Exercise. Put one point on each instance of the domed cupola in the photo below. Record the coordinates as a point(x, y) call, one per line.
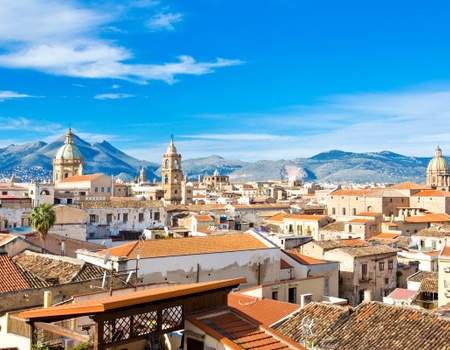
point(437, 171)
point(68, 160)
point(171, 149)
point(438, 164)
point(68, 150)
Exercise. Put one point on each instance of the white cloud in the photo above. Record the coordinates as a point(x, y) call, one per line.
point(115, 86)
point(63, 38)
point(240, 137)
point(112, 96)
point(164, 21)
point(7, 95)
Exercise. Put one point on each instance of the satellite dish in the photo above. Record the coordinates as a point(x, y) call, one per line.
point(107, 255)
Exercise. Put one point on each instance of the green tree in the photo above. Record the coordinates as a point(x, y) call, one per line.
point(42, 219)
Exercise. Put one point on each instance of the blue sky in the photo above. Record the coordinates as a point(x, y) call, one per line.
point(249, 80)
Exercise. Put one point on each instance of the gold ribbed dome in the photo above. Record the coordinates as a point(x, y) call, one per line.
point(438, 163)
point(68, 150)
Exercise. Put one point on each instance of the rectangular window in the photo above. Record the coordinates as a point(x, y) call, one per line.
point(118, 217)
point(108, 218)
point(96, 189)
point(108, 189)
point(92, 218)
point(292, 295)
point(156, 216)
point(275, 295)
point(141, 217)
point(364, 271)
point(103, 189)
point(390, 264)
point(125, 217)
point(381, 265)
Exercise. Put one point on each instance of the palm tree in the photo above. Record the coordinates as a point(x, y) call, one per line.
point(42, 219)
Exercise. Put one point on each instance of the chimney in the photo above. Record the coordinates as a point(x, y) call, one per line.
point(367, 295)
point(47, 298)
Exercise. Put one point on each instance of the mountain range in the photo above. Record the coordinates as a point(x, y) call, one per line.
point(33, 161)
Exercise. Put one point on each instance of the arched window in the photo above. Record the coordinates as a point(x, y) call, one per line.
point(175, 163)
point(349, 228)
point(166, 163)
point(166, 179)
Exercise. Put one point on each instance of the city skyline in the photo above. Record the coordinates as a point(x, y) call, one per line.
point(273, 81)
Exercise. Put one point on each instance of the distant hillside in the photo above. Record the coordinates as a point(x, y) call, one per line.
point(34, 161)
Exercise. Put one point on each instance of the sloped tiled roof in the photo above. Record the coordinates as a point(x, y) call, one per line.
point(305, 217)
point(360, 221)
point(421, 275)
point(11, 278)
point(351, 192)
point(428, 218)
point(14, 277)
point(429, 285)
point(78, 178)
point(53, 244)
point(432, 193)
point(203, 218)
point(339, 243)
point(435, 231)
point(324, 318)
point(263, 310)
point(57, 269)
point(187, 246)
point(303, 259)
point(445, 251)
point(402, 294)
point(386, 236)
point(409, 186)
point(377, 326)
point(241, 332)
point(334, 226)
point(367, 251)
point(277, 217)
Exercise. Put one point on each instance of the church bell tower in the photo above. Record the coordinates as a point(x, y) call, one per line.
point(172, 175)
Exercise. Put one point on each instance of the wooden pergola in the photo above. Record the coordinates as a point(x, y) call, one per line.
point(126, 318)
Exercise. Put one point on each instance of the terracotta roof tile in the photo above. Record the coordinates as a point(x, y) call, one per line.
point(428, 218)
point(11, 278)
point(409, 186)
point(57, 269)
point(375, 326)
point(323, 317)
point(240, 331)
point(367, 251)
point(431, 193)
point(402, 294)
point(303, 259)
point(277, 217)
point(305, 217)
point(429, 285)
point(368, 213)
point(78, 178)
point(187, 246)
point(264, 311)
point(339, 243)
point(360, 221)
point(351, 192)
point(445, 251)
point(53, 244)
point(421, 275)
point(203, 218)
point(386, 236)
